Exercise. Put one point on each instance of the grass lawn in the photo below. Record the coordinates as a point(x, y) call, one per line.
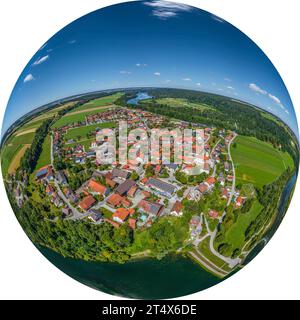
point(12, 147)
point(257, 162)
point(85, 142)
point(82, 131)
point(176, 102)
point(100, 102)
point(45, 157)
point(235, 235)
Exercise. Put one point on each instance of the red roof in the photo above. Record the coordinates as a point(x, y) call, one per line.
point(115, 200)
point(177, 206)
point(86, 202)
point(121, 213)
point(210, 180)
point(144, 180)
point(113, 223)
point(203, 187)
point(96, 187)
point(132, 223)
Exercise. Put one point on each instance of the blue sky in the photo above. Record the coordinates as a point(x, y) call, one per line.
point(150, 43)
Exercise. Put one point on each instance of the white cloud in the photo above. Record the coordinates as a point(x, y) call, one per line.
point(72, 41)
point(125, 72)
point(157, 74)
point(165, 9)
point(140, 65)
point(41, 60)
point(230, 87)
point(28, 78)
point(168, 81)
point(227, 79)
point(257, 89)
point(198, 84)
point(186, 79)
point(276, 100)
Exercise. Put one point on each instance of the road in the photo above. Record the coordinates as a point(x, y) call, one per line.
point(233, 171)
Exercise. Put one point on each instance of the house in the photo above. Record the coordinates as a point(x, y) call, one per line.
point(195, 221)
point(225, 193)
point(109, 181)
point(213, 214)
point(203, 187)
point(113, 223)
point(239, 201)
point(144, 181)
point(49, 190)
point(95, 215)
point(115, 200)
point(162, 187)
point(132, 223)
point(132, 191)
point(152, 208)
point(120, 215)
point(226, 166)
point(171, 166)
point(229, 178)
point(45, 172)
point(210, 182)
point(61, 178)
point(177, 209)
point(97, 187)
point(70, 195)
point(121, 174)
point(124, 187)
point(66, 211)
point(86, 203)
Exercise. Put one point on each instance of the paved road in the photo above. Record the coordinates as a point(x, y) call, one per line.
point(233, 171)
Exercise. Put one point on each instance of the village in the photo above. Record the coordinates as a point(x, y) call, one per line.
point(136, 194)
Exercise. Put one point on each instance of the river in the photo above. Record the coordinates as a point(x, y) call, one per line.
point(140, 96)
point(170, 277)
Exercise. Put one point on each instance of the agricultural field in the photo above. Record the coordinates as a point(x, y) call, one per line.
point(85, 142)
point(258, 162)
point(81, 132)
point(176, 102)
point(101, 102)
point(235, 234)
point(11, 150)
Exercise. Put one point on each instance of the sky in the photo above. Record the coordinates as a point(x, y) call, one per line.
point(150, 43)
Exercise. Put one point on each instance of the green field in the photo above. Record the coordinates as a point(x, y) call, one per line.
point(11, 148)
point(84, 130)
point(235, 235)
point(258, 162)
point(45, 156)
point(177, 102)
point(105, 101)
point(70, 118)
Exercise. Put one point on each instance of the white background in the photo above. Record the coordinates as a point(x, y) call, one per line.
point(26, 25)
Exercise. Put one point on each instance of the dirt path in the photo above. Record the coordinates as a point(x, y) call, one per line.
point(16, 160)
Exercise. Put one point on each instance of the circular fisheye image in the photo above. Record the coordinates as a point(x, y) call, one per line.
point(149, 149)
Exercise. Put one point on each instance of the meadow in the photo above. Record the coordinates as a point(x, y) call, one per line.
point(236, 233)
point(81, 132)
point(258, 162)
point(45, 156)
